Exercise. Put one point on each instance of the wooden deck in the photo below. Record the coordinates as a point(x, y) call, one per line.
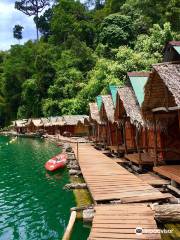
point(145, 158)
point(120, 222)
point(170, 171)
point(107, 180)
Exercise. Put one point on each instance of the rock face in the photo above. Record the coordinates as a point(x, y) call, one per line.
point(167, 212)
point(88, 215)
point(74, 172)
point(75, 186)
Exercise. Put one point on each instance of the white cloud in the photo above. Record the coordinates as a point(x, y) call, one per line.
point(9, 16)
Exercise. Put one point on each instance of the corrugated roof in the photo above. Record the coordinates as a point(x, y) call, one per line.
point(138, 81)
point(130, 104)
point(108, 106)
point(94, 112)
point(99, 101)
point(113, 91)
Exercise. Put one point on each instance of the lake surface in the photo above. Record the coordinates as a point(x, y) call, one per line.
point(33, 204)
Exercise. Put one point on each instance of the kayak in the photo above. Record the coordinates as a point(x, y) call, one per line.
point(56, 162)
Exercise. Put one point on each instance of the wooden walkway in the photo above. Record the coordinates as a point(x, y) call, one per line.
point(108, 181)
point(121, 221)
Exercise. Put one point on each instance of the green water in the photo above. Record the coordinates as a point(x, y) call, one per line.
point(33, 204)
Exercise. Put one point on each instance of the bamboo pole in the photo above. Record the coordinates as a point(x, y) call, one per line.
point(69, 228)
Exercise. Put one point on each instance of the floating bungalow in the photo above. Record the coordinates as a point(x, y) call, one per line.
point(95, 123)
point(128, 117)
point(161, 111)
point(107, 118)
point(144, 137)
point(34, 125)
point(74, 124)
point(20, 126)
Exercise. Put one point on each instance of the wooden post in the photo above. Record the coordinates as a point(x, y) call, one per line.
point(69, 228)
point(124, 135)
point(137, 145)
point(155, 140)
point(146, 139)
point(77, 150)
point(117, 139)
point(110, 136)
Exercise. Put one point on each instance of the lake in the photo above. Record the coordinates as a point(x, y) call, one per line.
point(33, 204)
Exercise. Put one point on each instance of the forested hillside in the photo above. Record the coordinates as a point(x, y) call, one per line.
point(83, 48)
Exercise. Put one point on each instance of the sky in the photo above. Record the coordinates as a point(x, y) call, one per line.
point(9, 17)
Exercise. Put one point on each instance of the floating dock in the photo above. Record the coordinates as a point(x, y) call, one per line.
point(131, 217)
point(109, 181)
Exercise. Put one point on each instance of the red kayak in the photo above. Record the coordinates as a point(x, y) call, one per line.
point(59, 161)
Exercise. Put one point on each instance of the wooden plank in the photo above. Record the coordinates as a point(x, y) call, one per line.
point(170, 171)
point(120, 222)
point(153, 180)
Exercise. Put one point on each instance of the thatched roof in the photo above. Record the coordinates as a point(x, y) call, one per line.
point(37, 122)
point(72, 120)
point(163, 87)
point(130, 104)
point(94, 112)
point(20, 123)
point(45, 121)
point(170, 74)
point(59, 121)
point(107, 102)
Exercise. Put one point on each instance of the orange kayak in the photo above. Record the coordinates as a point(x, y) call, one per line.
point(56, 162)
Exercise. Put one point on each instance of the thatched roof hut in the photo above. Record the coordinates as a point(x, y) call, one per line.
point(129, 106)
point(162, 91)
point(94, 113)
point(172, 51)
point(107, 109)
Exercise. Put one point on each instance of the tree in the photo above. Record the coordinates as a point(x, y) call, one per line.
point(32, 8)
point(116, 30)
point(17, 32)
